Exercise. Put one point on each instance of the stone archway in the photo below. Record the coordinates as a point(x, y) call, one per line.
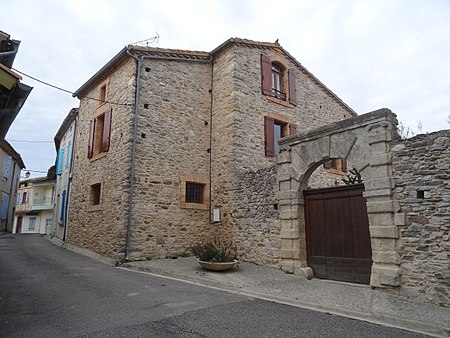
point(365, 141)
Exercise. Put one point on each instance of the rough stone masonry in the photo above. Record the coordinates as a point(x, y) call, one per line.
point(421, 172)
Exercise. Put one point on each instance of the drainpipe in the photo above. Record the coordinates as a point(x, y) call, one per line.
point(210, 142)
point(139, 62)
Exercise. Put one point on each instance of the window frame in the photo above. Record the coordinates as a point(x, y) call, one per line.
point(200, 180)
point(34, 223)
point(99, 140)
point(287, 128)
point(336, 166)
point(194, 192)
point(94, 197)
point(287, 96)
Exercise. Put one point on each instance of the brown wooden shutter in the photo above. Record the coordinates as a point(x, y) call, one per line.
point(292, 75)
point(292, 129)
point(328, 164)
point(266, 75)
point(91, 138)
point(106, 130)
point(269, 135)
point(343, 165)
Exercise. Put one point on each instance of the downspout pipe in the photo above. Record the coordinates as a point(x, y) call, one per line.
point(139, 62)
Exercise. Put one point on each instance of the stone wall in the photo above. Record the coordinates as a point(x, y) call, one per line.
point(421, 172)
point(243, 177)
point(104, 230)
point(173, 141)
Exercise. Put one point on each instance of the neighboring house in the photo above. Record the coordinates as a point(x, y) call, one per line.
point(64, 143)
point(179, 147)
point(13, 93)
point(34, 208)
point(12, 164)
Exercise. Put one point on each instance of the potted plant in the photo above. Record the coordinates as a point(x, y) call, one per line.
point(214, 258)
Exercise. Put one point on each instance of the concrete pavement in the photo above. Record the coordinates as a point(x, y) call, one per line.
point(350, 300)
point(344, 299)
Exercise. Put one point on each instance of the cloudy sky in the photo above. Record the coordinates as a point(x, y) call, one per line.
point(372, 54)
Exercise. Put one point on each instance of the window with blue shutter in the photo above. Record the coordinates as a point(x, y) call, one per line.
point(59, 161)
point(63, 206)
point(6, 167)
point(68, 154)
point(5, 205)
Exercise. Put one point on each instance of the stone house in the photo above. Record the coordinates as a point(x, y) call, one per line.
point(34, 206)
point(64, 143)
point(180, 147)
point(12, 164)
point(197, 135)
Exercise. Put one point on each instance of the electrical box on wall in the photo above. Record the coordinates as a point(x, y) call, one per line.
point(216, 215)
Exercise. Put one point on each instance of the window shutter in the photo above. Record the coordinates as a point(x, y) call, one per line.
point(63, 206)
point(5, 206)
point(59, 161)
point(292, 75)
point(6, 166)
point(91, 138)
point(343, 165)
point(269, 135)
point(266, 75)
point(328, 164)
point(292, 129)
point(106, 130)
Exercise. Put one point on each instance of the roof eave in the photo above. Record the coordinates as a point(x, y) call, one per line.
point(104, 69)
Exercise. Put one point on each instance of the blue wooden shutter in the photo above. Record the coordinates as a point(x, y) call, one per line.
point(5, 205)
point(59, 161)
point(63, 206)
point(6, 166)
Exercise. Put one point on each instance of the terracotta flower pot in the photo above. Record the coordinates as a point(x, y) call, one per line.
point(216, 266)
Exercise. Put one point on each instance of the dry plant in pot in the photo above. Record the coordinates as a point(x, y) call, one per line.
point(213, 257)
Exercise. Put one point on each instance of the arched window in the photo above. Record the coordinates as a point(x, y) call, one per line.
point(278, 81)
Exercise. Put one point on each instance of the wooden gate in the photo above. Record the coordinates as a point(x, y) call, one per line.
point(337, 234)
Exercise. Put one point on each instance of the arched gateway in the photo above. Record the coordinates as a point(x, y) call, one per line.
point(365, 142)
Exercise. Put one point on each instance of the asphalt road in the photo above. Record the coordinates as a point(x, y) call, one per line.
point(47, 291)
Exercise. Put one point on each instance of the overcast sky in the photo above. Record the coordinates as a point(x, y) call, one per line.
point(372, 54)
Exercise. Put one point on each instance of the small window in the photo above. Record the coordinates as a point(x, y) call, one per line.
point(95, 194)
point(100, 134)
point(278, 81)
point(274, 130)
point(102, 94)
point(336, 166)
point(25, 197)
point(194, 192)
point(32, 224)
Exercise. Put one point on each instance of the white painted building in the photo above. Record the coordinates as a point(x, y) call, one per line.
point(64, 143)
point(34, 206)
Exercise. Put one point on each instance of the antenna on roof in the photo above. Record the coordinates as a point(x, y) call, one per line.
point(152, 40)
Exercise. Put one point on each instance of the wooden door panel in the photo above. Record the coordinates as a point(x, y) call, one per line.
point(337, 234)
